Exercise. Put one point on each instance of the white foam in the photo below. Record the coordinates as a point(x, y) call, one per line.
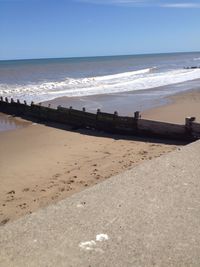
point(122, 82)
point(122, 75)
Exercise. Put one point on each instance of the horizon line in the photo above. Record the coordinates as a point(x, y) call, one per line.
point(114, 55)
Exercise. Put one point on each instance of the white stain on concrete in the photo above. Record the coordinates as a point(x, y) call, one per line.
point(88, 245)
point(102, 237)
point(80, 206)
point(92, 245)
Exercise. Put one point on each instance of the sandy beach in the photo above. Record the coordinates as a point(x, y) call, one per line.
point(41, 165)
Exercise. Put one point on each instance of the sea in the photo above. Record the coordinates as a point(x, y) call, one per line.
point(126, 83)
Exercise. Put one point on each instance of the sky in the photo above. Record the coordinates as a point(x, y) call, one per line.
point(77, 28)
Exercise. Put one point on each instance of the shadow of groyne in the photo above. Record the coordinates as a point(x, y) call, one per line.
point(103, 124)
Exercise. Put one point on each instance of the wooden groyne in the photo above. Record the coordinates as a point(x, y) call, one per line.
point(112, 123)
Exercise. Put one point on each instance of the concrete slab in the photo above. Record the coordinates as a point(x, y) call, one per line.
point(148, 216)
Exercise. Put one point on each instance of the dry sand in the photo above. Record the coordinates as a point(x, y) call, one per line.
point(41, 165)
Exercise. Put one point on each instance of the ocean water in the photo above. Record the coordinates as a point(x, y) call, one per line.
point(46, 79)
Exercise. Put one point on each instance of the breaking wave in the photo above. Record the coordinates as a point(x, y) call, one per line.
point(116, 83)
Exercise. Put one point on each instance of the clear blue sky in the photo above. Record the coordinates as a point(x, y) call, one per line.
point(68, 28)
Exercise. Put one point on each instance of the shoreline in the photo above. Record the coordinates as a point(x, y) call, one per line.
point(128, 102)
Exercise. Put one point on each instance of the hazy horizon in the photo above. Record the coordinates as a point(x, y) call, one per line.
point(100, 56)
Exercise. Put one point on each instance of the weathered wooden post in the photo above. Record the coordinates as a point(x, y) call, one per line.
point(25, 103)
point(137, 116)
point(18, 107)
point(6, 99)
point(114, 121)
point(97, 115)
point(188, 125)
point(1, 99)
point(70, 114)
point(12, 101)
point(84, 109)
point(70, 109)
point(32, 103)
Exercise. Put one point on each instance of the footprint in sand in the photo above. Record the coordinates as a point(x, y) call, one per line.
point(12, 192)
point(98, 177)
point(42, 190)
point(54, 197)
point(56, 175)
point(10, 198)
point(69, 189)
point(63, 181)
point(3, 222)
point(23, 206)
point(62, 189)
point(25, 189)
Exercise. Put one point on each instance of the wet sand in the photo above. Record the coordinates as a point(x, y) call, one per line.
point(41, 165)
point(8, 123)
point(181, 106)
point(125, 103)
